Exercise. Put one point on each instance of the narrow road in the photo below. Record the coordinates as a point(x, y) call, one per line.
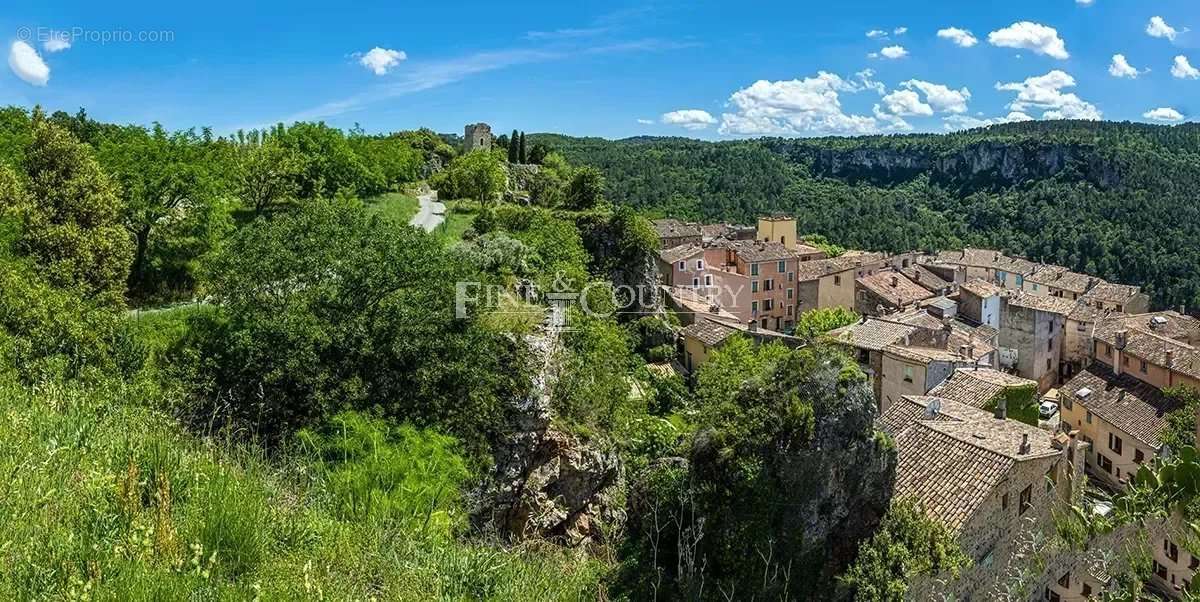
point(431, 214)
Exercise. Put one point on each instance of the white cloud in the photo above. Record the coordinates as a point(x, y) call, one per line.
point(906, 103)
point(690, 119)
point(795, 107)
point(1085, 2)
point(892, 122)
point(27, 64)
point(894, 52)
point(941, 98)
point(1163, 114)
point(962, 37)
point(876, 33)
point(1031, 36)
point(900, 31)
point(1183, 69)
point(1158, 28)
point(57, 42)
point(1121, 67)
point(966, 122)
point(1044, 92)
point(380, 60)
point(646, 121)
point(866, 78)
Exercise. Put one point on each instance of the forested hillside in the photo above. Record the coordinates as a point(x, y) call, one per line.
point(1118, 200)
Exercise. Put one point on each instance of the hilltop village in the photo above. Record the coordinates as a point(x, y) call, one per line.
point(1010, 388)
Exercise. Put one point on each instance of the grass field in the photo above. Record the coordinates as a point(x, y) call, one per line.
point(459, 216)
point(397, 206)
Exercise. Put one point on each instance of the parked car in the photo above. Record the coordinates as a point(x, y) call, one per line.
point(1047, 409)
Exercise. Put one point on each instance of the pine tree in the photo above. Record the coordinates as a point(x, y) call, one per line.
point(512, 148)
point(523, 156)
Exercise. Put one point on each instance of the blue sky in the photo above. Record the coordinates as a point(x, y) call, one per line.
point(703, 69)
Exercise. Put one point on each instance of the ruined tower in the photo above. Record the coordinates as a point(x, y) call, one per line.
point(477, 136)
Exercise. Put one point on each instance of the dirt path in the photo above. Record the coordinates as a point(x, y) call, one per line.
point(431, 213)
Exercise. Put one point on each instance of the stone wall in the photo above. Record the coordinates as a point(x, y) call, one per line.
point(477, 136)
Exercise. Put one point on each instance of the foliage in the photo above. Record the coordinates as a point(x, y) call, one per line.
point(585, 190)
point(720, 378)
point(908, 544)
point(70, 215)
point(1181, 422)
point(593, 393)
point(816, 322)
point(822, 243)
point(477, 175)
point(329, 309)
point(1020, 403)
point(268, 175)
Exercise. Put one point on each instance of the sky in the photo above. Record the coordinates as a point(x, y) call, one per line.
point(712, 70)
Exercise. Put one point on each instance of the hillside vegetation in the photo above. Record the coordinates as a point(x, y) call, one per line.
point(1117, 200)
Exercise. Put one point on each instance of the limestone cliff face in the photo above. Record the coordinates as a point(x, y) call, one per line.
point(982, 162)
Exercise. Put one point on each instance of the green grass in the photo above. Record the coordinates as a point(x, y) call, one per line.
point(397, 206)
point(460, 214)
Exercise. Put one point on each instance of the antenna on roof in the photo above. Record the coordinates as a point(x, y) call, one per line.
point(933, 408)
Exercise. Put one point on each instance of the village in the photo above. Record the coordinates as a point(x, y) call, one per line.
point(1012, 390)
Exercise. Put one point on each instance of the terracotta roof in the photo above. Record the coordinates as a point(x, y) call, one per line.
point(672, 228)
point(1127, 403)
point(708, 332)
point(928, 345)
point(874, 334)
point(675, 254)
point(1170, 324)
point(754, 251)
point(1046, 303)
point(985, 258)
point(819, 268)
point(1109, 292)
point(981, 288)
point(978, 387)
point(1154, 336)
point(922, 276)
point(910, 409)
point(1061, 278)
point(895, 288)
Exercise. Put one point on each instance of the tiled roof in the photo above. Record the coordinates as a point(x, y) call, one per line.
point(1127, 403)
point(1061, 278)
point(910, 409)
point(1046, 303)
point(922, 276)
point(1170, 324)
point(1110, 292)
point(752, 251)
point(981, 288)
point(895, 288)
point(673, 228)
point(873, 334)
point(675, 254)
point(978, 387)
point(708, 332)
point(1154, 343)
point(819, 268)
point(927, 345)
point(985, 258)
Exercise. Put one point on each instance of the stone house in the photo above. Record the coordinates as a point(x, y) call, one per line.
point(825, 283)
point(700, 339)
point(672, 233)
point(1156, 348)
point(979, 302)
point(886, 292)
point(683, 265)
point(930, 280)
point(1119, 297)
point(922, 360)
point(1057, 281)
point(987, 264)
point(1032, 334)
point(987, 479)
point(979, 387)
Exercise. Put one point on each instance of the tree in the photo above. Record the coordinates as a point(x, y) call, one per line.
point(513, 151)
point(586, 188)
point(70, 215)
point(1181, 423)
point(477, 175)
point(521, 156)
point(267, 175)
point(538, 153)
point(816, 322)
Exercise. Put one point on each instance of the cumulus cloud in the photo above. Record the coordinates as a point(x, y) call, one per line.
point(1182, 69)
point(1163, 114)
point(1044, 92)
point(1039, 38)
point(27, 64)
point(1158, 28)
point(866, 78)
point(380, 60)
point(690, 119)
point(893, 52)
point(58, 41)
point(942, 99)
point(962, 37)
point(1121, 67)
point(906, 103)
point(900, 31)
point(795, 107)
point(876, 33)
point(891, 121)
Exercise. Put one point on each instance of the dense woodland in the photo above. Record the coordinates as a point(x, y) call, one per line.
point(1117, 200)
point(229, 369)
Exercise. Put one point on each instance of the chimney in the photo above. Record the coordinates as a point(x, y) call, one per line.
point(1182, 309)
point(1170, 358)
point(1001, 411)
point(1025, 444)
point(1122, 335)
point(895, 281)
point(753, 325)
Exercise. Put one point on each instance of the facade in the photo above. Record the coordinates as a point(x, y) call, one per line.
point(1057, 281)
point(1158, 348)
point(682, 265)
point(771, 270)
point(1119, 297)
point(700, 339)
point(1032, 334)
point(979, 302)
point(477, 136)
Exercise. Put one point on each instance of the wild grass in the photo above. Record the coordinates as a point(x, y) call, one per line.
point(397, 206)
point(108, 499)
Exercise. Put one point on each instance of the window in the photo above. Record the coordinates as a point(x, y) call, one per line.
point(908, 374)
point(1050, 345)
point(1171, 550)
point(754, 286)
point(754, 269)
point(699, 264)
point(768, 304)
point(1020, 280)
point(1087, 590)
point(1026, 500)
point(1004, 502)
point(1089, 417)
point(1068, 403)
point(695, 282)
point(1138, 456)
point(1047, 364)
point(782, 267)
point(1099, 305)
point(837, 280)
point(1114, 443)
point(682, 266)
point(791, 276)
point(1035, 288)
point(769, 284)
point(1143, 366)
point(1104, 462)
point(1107, 350)
point(789, 310)
point(791, 292)
point(1120, 308)
point(754, 307)
point(708, 280)
point(1160, 570)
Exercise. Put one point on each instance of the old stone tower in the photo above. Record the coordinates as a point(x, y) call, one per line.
point(477, 136)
